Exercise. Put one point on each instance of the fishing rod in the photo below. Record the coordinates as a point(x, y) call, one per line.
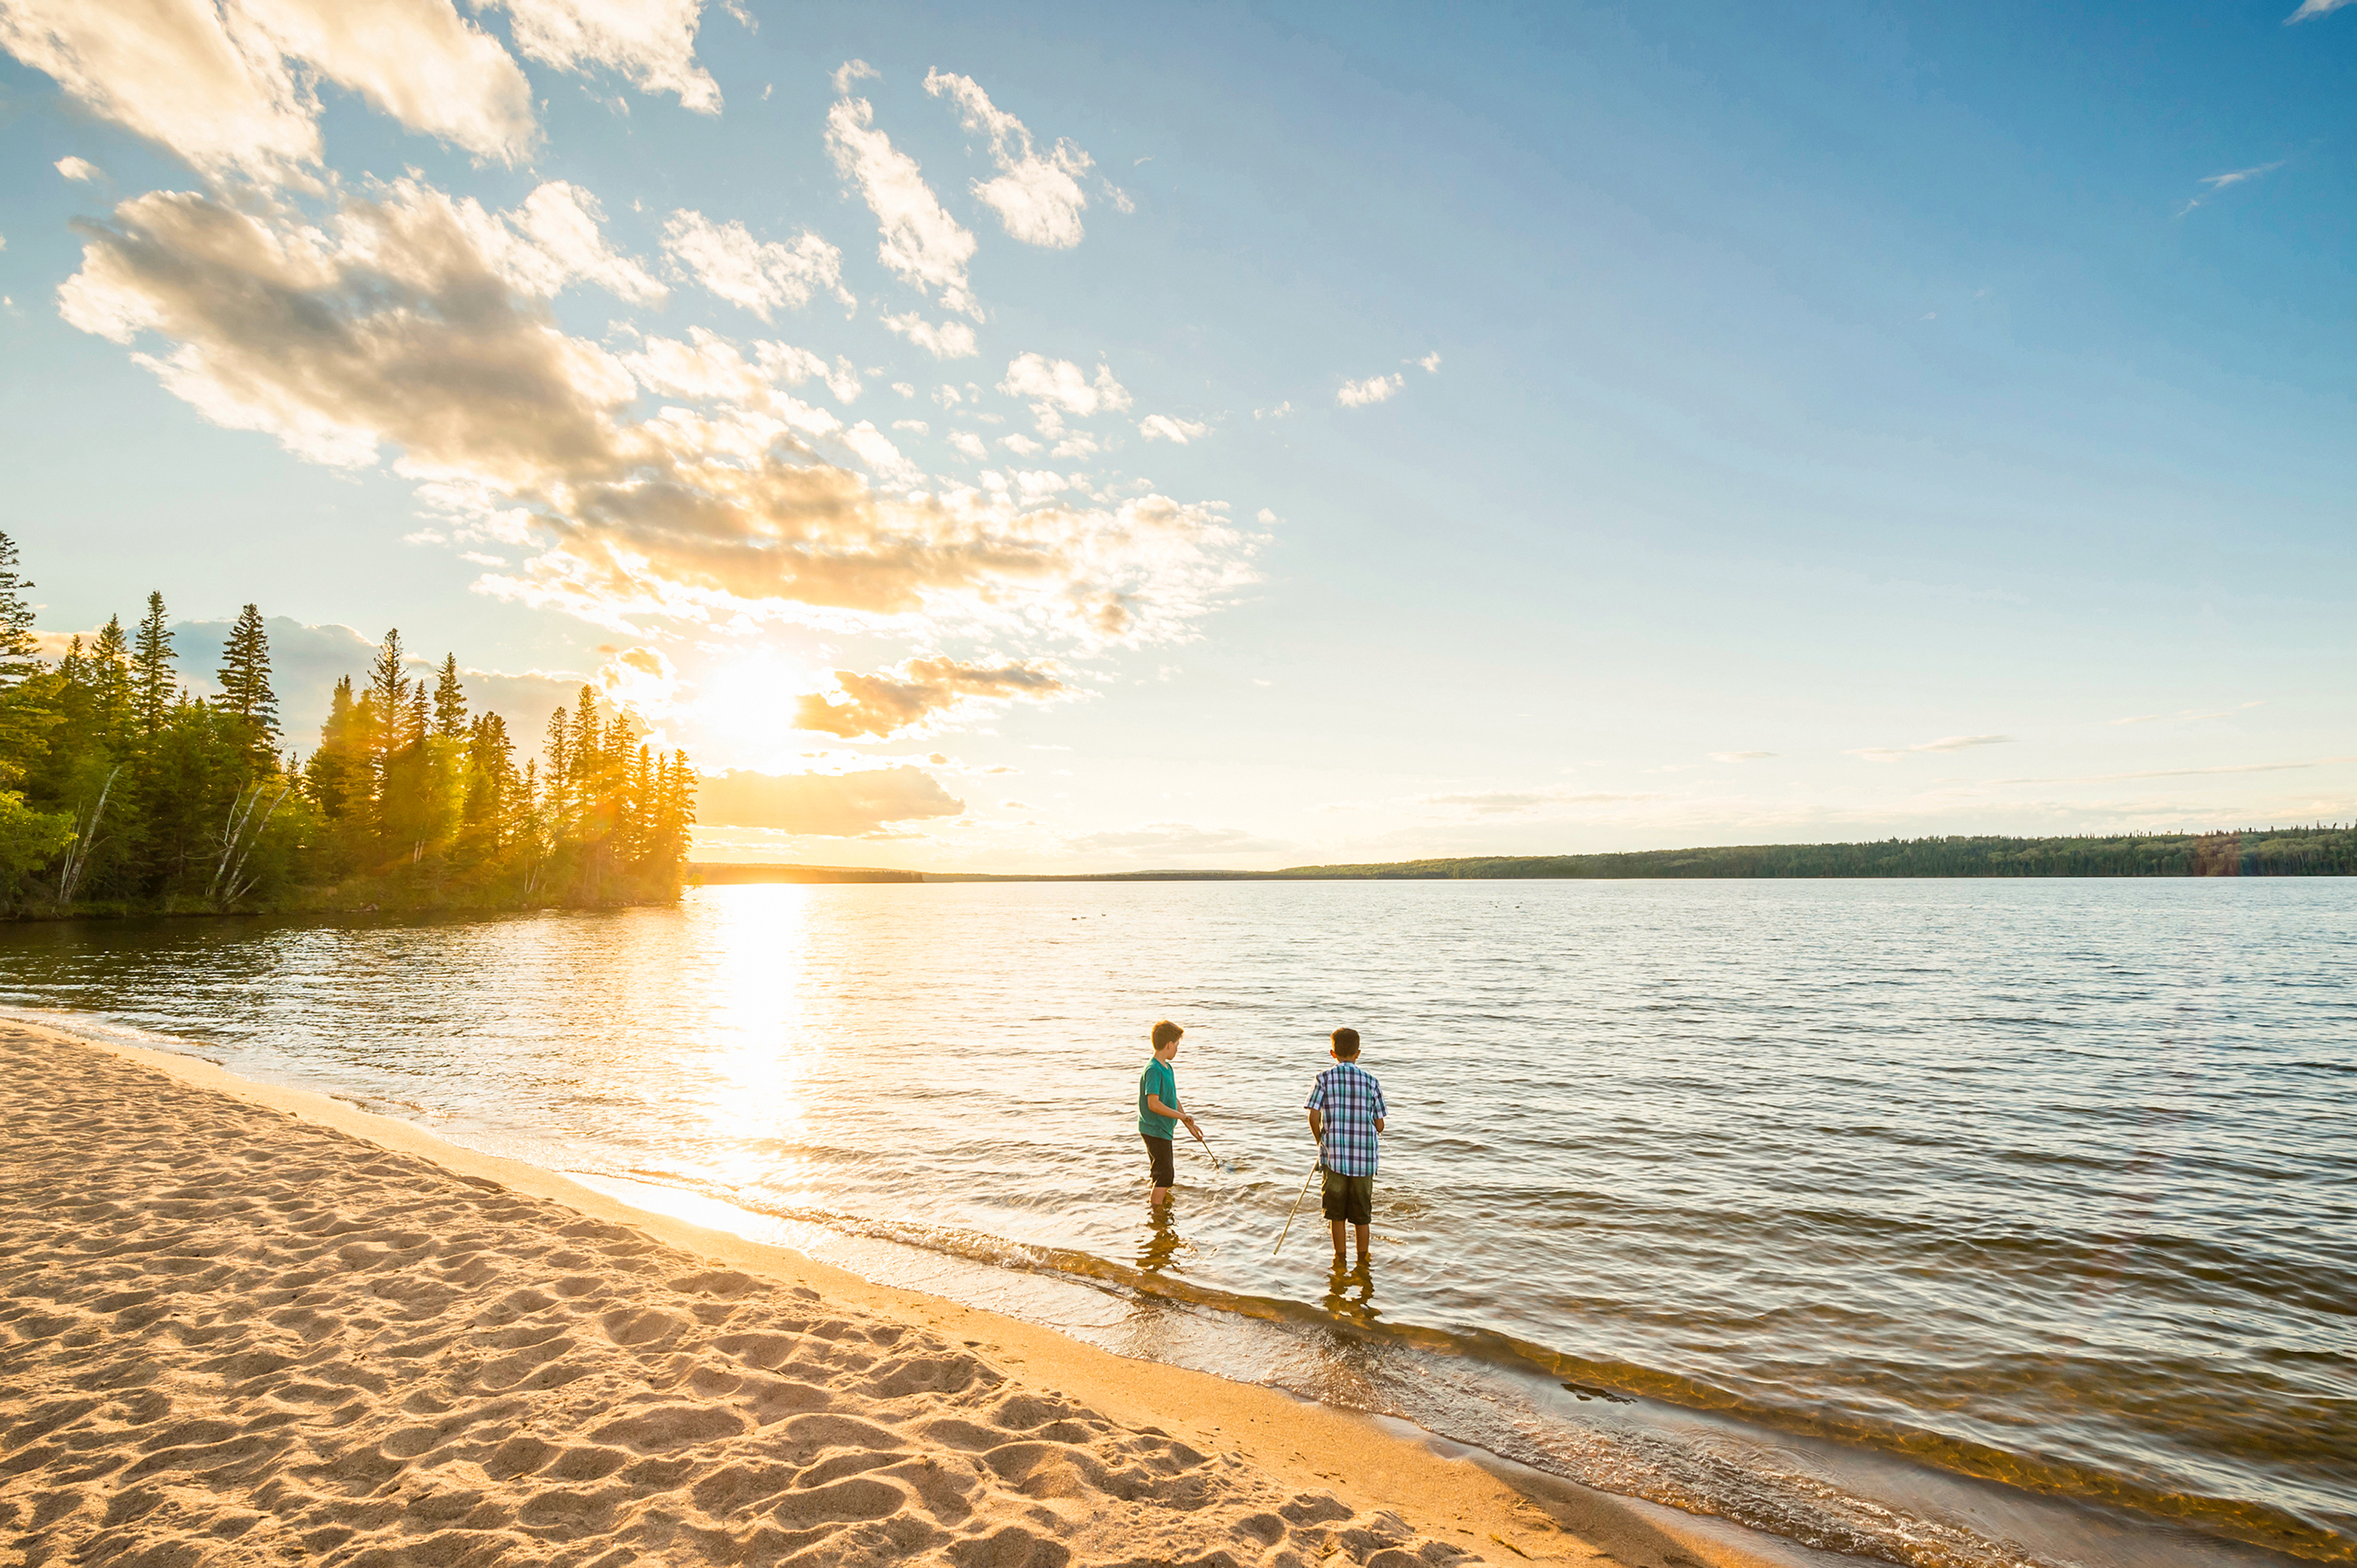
point(1217, 1163)
point(1297, 1197)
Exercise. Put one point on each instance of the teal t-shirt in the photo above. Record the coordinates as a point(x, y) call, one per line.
point(1158, 1079)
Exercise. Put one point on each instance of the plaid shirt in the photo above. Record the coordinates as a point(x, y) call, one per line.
point(1352, 1099)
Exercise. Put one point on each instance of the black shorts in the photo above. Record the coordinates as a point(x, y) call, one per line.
point(1166, 1169)
point(1349, 1197)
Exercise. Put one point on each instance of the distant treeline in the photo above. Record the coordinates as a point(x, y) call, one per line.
point(120, 792)
point(2320, 850)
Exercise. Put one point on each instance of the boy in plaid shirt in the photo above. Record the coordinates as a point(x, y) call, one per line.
point(1346, 1113)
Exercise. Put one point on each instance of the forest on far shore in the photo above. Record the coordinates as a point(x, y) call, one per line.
point(121, 792)
point(2319, 851)
point(2323, 849)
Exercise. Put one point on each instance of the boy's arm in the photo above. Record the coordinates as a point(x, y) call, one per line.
point(1154, 1102)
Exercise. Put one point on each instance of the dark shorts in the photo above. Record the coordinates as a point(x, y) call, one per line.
point(1166, 1169)
point(1349, 1197)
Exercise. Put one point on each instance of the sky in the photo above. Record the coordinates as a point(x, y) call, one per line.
point(1093, 438)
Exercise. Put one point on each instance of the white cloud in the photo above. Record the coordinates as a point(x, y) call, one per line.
point(1431, 361)
point(1741, 756)
point(1162, 427)
point(760, 276)
point(967, 442)
point(2221, 181)
point(913, 426)
point(650, 43)
point(920, 241)
point(1022, 446)
point(216, 83)
point(1279, 411)
point(2315, 9)
point(949, 340)
point(79, 168)
point(1063, 385)
point(875, 449)
point(2188, 714)
point(1374, 388)
point(906, 389)
point(405, 321)
point(417, 60)
point(1038, 196)
point(1946, 743)
point(852, 70)
point(563, 222)
point(923, 693)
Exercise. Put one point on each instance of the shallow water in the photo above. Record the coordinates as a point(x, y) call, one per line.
point(1862, 1194)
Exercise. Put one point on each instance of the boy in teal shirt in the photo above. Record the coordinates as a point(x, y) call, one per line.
point(1158, 1113)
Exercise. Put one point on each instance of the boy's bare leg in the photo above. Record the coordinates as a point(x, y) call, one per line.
point(1363, 1230)
point(1340, 1257)
point(1162, 1196)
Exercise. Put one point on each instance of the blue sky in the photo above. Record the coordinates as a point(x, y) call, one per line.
point(1328, 434)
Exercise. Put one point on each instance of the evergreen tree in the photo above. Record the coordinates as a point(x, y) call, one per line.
point(246, 676)
point(153, 686)
point(128, 793)
point(449, 700)
point(110, 680)
point(28, 693)
point(558, 801)
point(388, 691)
point(338, 770)
point(20, 656)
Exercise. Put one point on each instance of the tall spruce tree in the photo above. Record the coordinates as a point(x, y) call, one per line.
point(388, 693)
point(246, 676)
point(110, 679)
point(154, 688)
point(449, 700)
point(20, 656)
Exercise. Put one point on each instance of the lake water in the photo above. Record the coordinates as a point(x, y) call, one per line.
point(1947, 1223)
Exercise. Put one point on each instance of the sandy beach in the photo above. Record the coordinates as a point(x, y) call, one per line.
point(240, 1324)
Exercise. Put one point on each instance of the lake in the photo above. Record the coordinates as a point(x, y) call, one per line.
point(1973, 1223)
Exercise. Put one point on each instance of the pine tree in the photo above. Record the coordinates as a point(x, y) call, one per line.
point(450, 702)
point(334, 770)
point(110, 678)
point(559, 801)
point(388, 692)
point(246, 676)
point(20, 656)
point(413, 733)
point(154, 690)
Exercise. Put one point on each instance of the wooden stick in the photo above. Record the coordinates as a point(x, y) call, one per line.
point(1289, 1213)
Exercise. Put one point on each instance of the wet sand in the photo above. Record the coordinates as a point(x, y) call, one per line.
point(241, 1324)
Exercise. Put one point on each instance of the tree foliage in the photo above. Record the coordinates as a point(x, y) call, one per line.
point(120, 790)
point(2318, 851)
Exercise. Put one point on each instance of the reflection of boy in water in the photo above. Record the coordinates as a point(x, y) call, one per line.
point(1346, 1112)
point(1158, 1115)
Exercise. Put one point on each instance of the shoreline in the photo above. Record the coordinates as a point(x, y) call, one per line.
point(1461, 1504)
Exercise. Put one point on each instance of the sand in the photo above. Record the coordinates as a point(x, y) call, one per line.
point(232, 1331)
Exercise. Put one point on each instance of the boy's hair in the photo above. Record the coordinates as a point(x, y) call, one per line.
point(1346, 1044)
point(1165, 1032)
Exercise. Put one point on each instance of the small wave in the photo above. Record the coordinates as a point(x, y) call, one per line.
point(1802, 1508)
